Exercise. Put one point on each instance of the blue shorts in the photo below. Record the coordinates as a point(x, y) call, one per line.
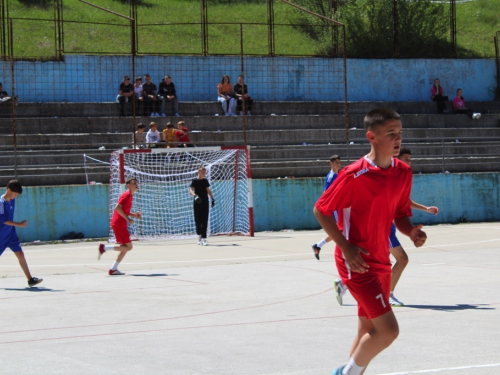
point(393, 240)
point(12, 243)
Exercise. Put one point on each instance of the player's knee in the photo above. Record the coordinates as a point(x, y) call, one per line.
point(389, 335)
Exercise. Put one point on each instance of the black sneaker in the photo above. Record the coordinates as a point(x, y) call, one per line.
point(316, 250)
point(34, 281)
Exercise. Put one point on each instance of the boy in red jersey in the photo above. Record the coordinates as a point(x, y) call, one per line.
point(119, 225)
point(368, 195)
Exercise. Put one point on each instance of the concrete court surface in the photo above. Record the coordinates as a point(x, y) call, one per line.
point(242, 305)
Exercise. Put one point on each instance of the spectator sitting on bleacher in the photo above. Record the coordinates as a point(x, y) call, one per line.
point(4, 96)
point(125, 93)
point(437, 95)
point(169, 135)
point(138, 95)
point(182, 135)
point(459, 106)
point(241, 92)
point(153, 135)
point(226, 96)
point(139, 136)
point(168, 94)
point(149, 93)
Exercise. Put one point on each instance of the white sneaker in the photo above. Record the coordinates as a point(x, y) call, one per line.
point(394, 301)
point(476, 116)
point(340, 290)
point(199, 240)
point(204, 242)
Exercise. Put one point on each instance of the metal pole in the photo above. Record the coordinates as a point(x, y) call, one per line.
point(12, 73)
point(3, 22)
point(204, 27)
point(497, 61)
point(242, 69)
point(346, 106)
point(453, 28)
point(395, 18)
point(270, 26)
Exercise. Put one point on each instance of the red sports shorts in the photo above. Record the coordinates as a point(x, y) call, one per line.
point(121, 233)
point(371, 291)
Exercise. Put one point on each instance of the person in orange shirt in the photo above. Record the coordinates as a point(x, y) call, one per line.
point(169, 135)
point(226, 96)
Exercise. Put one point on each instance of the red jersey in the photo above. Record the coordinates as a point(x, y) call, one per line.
point(368, 198)
point(180, 135)
point(126, 201)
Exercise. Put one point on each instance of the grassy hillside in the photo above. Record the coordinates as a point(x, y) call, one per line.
point(477, 23)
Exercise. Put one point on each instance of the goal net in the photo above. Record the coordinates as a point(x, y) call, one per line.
point(163, 197)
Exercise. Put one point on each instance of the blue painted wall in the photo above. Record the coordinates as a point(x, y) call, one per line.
point(97, 78)
point(278, 204)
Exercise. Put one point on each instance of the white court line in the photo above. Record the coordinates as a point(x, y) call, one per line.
point(442, 369)
point(162, 262)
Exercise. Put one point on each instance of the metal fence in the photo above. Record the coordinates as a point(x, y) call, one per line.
point(203, 29)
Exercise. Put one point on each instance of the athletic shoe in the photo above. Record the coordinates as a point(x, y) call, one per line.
point(394, 301)
point(476, 116)
point(240, 113)
point(340, 290)
point(204, 242)
point(199, 240)
point(152, 114)
point(157, 114)
point(316, 250)
point(115, 273)
point(338, 371)
point(34, 281)
point(163, 115)
point(248, 113)
point(177, 115)
point(101, 251)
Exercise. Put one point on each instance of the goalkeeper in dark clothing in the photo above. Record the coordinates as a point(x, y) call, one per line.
point(200, 190)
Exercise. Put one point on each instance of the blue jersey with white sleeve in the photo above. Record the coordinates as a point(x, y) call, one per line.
point(330, 178)
point(7, 232)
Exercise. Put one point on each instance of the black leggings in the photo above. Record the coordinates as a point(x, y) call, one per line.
point(465, 111)
point(440, 100)
point(201, 218)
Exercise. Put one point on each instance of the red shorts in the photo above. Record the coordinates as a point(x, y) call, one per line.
point(121, 233)
point(371, 291)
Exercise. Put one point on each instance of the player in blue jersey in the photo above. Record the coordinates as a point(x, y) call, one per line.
point(8, 234)
point(335, 165)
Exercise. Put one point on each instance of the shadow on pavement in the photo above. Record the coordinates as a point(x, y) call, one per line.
point(451, 307)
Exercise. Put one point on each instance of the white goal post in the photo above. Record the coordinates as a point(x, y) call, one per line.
point(163, 198)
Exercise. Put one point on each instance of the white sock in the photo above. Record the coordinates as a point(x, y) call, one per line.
point(115, 265)
point(352, 368)
point(321, 243)
point(109, 247)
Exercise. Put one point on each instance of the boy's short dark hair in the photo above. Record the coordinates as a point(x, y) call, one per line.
point(334, 157)
point(404, 151)
point(126, 77)
point(168, 77)
point(15, 186)
point(141, 126)
point(170, 125)
point(379, 116)
point(138, 78)
point(130, 180)
point(147, 75)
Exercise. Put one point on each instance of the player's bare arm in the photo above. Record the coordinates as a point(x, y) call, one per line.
point(431, 209)
point(350, 251)
point(119, 209)
point(210, 193)
point(415, 232)
point(21, 224)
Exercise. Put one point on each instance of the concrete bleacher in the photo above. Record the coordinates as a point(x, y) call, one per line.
point(52, 137)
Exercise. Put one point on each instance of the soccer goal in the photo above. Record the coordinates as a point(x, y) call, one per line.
point(165, 175)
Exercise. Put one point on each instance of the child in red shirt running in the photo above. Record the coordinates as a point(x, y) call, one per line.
point(368, 195)
point(119, 225)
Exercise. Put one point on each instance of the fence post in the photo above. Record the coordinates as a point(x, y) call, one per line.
point(3, 31)
point(395, 22)
point(453, 28)
point(242, 69)
point(13, 101)
point(59, 34)
point(270, 26)
point(204, 27)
